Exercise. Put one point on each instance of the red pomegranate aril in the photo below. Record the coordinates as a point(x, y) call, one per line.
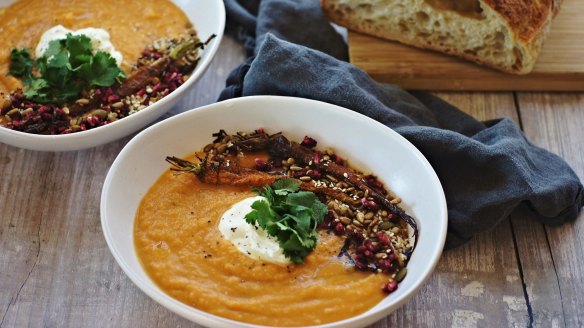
point(308, 142)
point(339, 229)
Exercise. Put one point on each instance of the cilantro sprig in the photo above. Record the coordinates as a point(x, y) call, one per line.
point(289, 215)
point(67, 67)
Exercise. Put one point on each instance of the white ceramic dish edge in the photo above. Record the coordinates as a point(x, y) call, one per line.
point(415, 281)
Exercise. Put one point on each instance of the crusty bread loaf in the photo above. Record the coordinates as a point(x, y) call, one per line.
point(503, 34)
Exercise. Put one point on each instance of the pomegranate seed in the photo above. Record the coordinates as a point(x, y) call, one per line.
point(361, 265)
point(339, 229)
point(390, 287)
point(383, 238)
point(262, 165)
point(308, 142)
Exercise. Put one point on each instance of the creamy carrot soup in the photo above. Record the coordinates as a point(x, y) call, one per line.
point(178, 241)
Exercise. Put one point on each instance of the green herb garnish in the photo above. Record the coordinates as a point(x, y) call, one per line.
point(289, 215)
point(67, 68)
point(20, 63)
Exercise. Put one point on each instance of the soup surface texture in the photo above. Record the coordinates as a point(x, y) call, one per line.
point(179, 244)
point(132, 25)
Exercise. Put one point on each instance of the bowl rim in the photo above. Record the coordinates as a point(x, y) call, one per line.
point(205, 318)
point(200, 69)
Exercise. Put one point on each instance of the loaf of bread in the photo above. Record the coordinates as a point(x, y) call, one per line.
point(503, 34)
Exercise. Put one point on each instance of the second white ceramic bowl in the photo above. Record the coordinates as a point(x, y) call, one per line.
point(367, 144)
point(208, 17)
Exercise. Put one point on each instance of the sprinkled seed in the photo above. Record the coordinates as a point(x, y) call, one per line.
point(358, 224)
point(330, 177)
point(375, 221)
point(366, 194)
point(350, 189)
point(395, 230)
point(305, 178)
point(12, 112)
point(367, 222)
point(369, 215)
point(296, 168)
point(385, 225)
point(350, 212)
point(82, 101)
point(396, 200)
point(360, 216)
point(384, 213)
point(100, 113)
point(66, 110)
point(291, 161)
point(119, 104)
point(112, 117)
point(345, 220)
point(380, 255)
point(326, 158)
point(401, 274)
point(28, 110)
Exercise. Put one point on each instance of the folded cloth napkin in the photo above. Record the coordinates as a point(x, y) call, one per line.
point(488, 169)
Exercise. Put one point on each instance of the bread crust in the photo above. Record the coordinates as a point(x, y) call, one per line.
point(528, 20)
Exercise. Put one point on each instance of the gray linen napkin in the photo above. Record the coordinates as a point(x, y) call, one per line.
point(488, 169)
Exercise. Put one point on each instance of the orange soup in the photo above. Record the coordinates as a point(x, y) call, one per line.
point(132, 24)
point(181, 248)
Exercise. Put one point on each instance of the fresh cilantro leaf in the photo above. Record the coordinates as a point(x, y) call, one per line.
point(290, 215)
point(319, 211)
point(285, 186)
point(263, 213)
point(59, 60)
point(20, 63)
point(104, 70)
point(67, 68)
point(78, 45)
point(302, 198)
point(37, 88)
point(268, 193)
point(54, 48)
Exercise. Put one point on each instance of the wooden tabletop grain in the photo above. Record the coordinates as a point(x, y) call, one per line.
point(56, 269)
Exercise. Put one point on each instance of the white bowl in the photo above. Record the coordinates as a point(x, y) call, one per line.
point(367, 144)
point(208, 17)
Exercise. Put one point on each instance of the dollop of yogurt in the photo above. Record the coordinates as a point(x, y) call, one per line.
point(250, 239)
point(100, 40)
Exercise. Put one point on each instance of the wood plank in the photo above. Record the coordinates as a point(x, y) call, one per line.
point(560, 65)
point(554, 122)
point(56, 268)
point(477, 284)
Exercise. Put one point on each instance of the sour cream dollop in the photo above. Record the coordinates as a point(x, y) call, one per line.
point(249, 239)
point(100, 40)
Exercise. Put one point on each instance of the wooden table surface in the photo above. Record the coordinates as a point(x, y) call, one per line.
point(56, 269)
